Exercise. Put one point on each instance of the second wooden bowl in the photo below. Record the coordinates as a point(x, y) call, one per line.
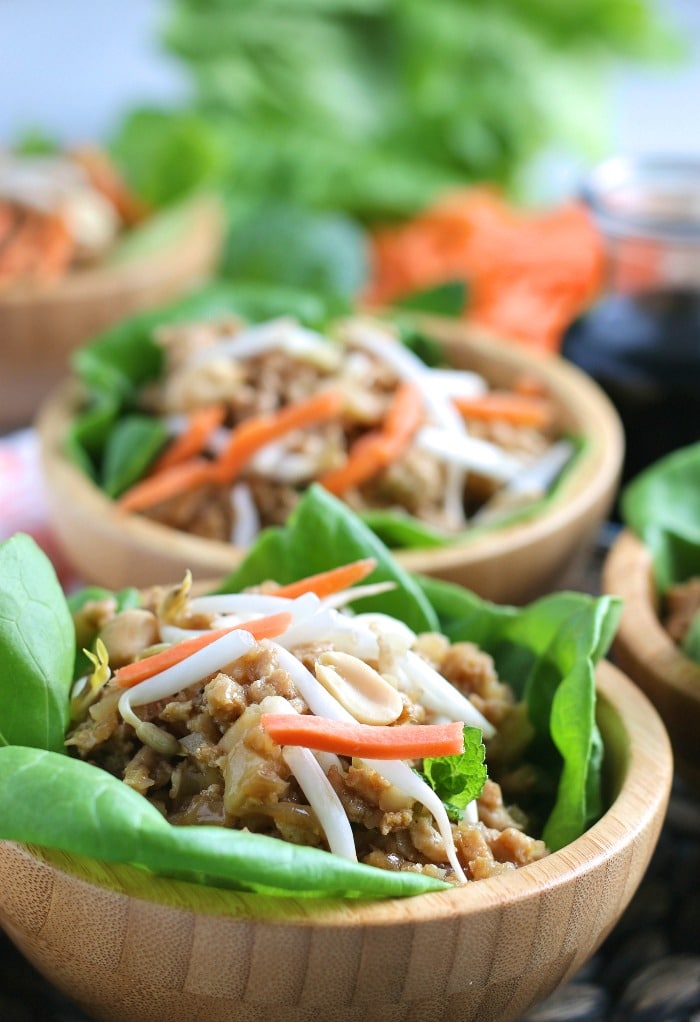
point(40, 325)
point(646, 652)
point(512, 563)
point(131, 947)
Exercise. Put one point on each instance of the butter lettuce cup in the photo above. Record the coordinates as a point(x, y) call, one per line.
point(407, 883)
point(187, 432)
point(654, 566)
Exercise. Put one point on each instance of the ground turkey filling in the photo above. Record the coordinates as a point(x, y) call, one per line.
point(414, 482)
point(227, 771)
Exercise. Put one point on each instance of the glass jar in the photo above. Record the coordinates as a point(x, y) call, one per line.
point(641, 340)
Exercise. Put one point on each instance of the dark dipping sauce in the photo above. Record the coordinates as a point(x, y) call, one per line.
point(644, 351)
point(641, 341)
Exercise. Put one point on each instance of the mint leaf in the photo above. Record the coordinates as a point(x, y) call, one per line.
point(459, 779)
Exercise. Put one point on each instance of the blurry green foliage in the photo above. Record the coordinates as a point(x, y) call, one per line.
point(372, 106)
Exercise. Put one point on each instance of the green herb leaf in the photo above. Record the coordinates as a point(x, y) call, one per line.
point(37, 648)
point(459, 779)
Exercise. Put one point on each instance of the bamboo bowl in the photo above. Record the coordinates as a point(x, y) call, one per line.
point(646, 652)
point(131, 947)
point(514, 563)
point(40, 325)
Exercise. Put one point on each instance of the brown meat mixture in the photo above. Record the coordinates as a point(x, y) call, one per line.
point(228, 772)
point(414, 483)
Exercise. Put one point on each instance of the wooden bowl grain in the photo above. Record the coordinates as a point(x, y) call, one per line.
point(645, 651)
point(131, 947)
point(513, 563)
point(40, 325)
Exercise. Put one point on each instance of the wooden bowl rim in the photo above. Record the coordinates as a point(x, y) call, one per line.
point(641, 800)
point(203, 219)
point(628, 572)
point(592, 477)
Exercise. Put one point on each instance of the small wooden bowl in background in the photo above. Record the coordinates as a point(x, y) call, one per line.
point(646, 652)
point(131, 947)
point(40, 325)
point(513, 563)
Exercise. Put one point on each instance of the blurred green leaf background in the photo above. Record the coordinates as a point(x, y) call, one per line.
point(373, 107)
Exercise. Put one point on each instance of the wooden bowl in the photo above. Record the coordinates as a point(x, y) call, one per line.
point(646, 652)
point(513, 563)
point(130, 947)
point(40, 325)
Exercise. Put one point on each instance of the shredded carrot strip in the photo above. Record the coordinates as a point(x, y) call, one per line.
point(254, 433)
point(508, 406)
point(188, 475)
point(528, 274)
point(246, 439)
point(374, 741)
point(377, 449)
point(328, 582)
point(262, 628)
point(200, 425)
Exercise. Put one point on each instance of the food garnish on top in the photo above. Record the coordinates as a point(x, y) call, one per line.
point(273, 724)
point(239, 419)
point(276, 712)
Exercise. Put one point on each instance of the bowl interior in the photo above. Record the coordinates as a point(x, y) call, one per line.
point(114, 549)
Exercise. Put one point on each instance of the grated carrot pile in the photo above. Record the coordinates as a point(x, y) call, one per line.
point(528, 274)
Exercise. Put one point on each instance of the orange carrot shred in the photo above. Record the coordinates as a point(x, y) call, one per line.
point(328, 582)
point(188, 475)
point(508, 406)
point(254, 433)
point(373, 741)
point(529, 274)
point(377, 449)
point(261, 628)
point(200, 425)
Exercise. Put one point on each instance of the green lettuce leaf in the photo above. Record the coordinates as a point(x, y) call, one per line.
point(131, 448)
point(547, 651)
point(58, 802)
point(662, 507)
point(321, 533)
point(37, 648)
point(284, 244)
